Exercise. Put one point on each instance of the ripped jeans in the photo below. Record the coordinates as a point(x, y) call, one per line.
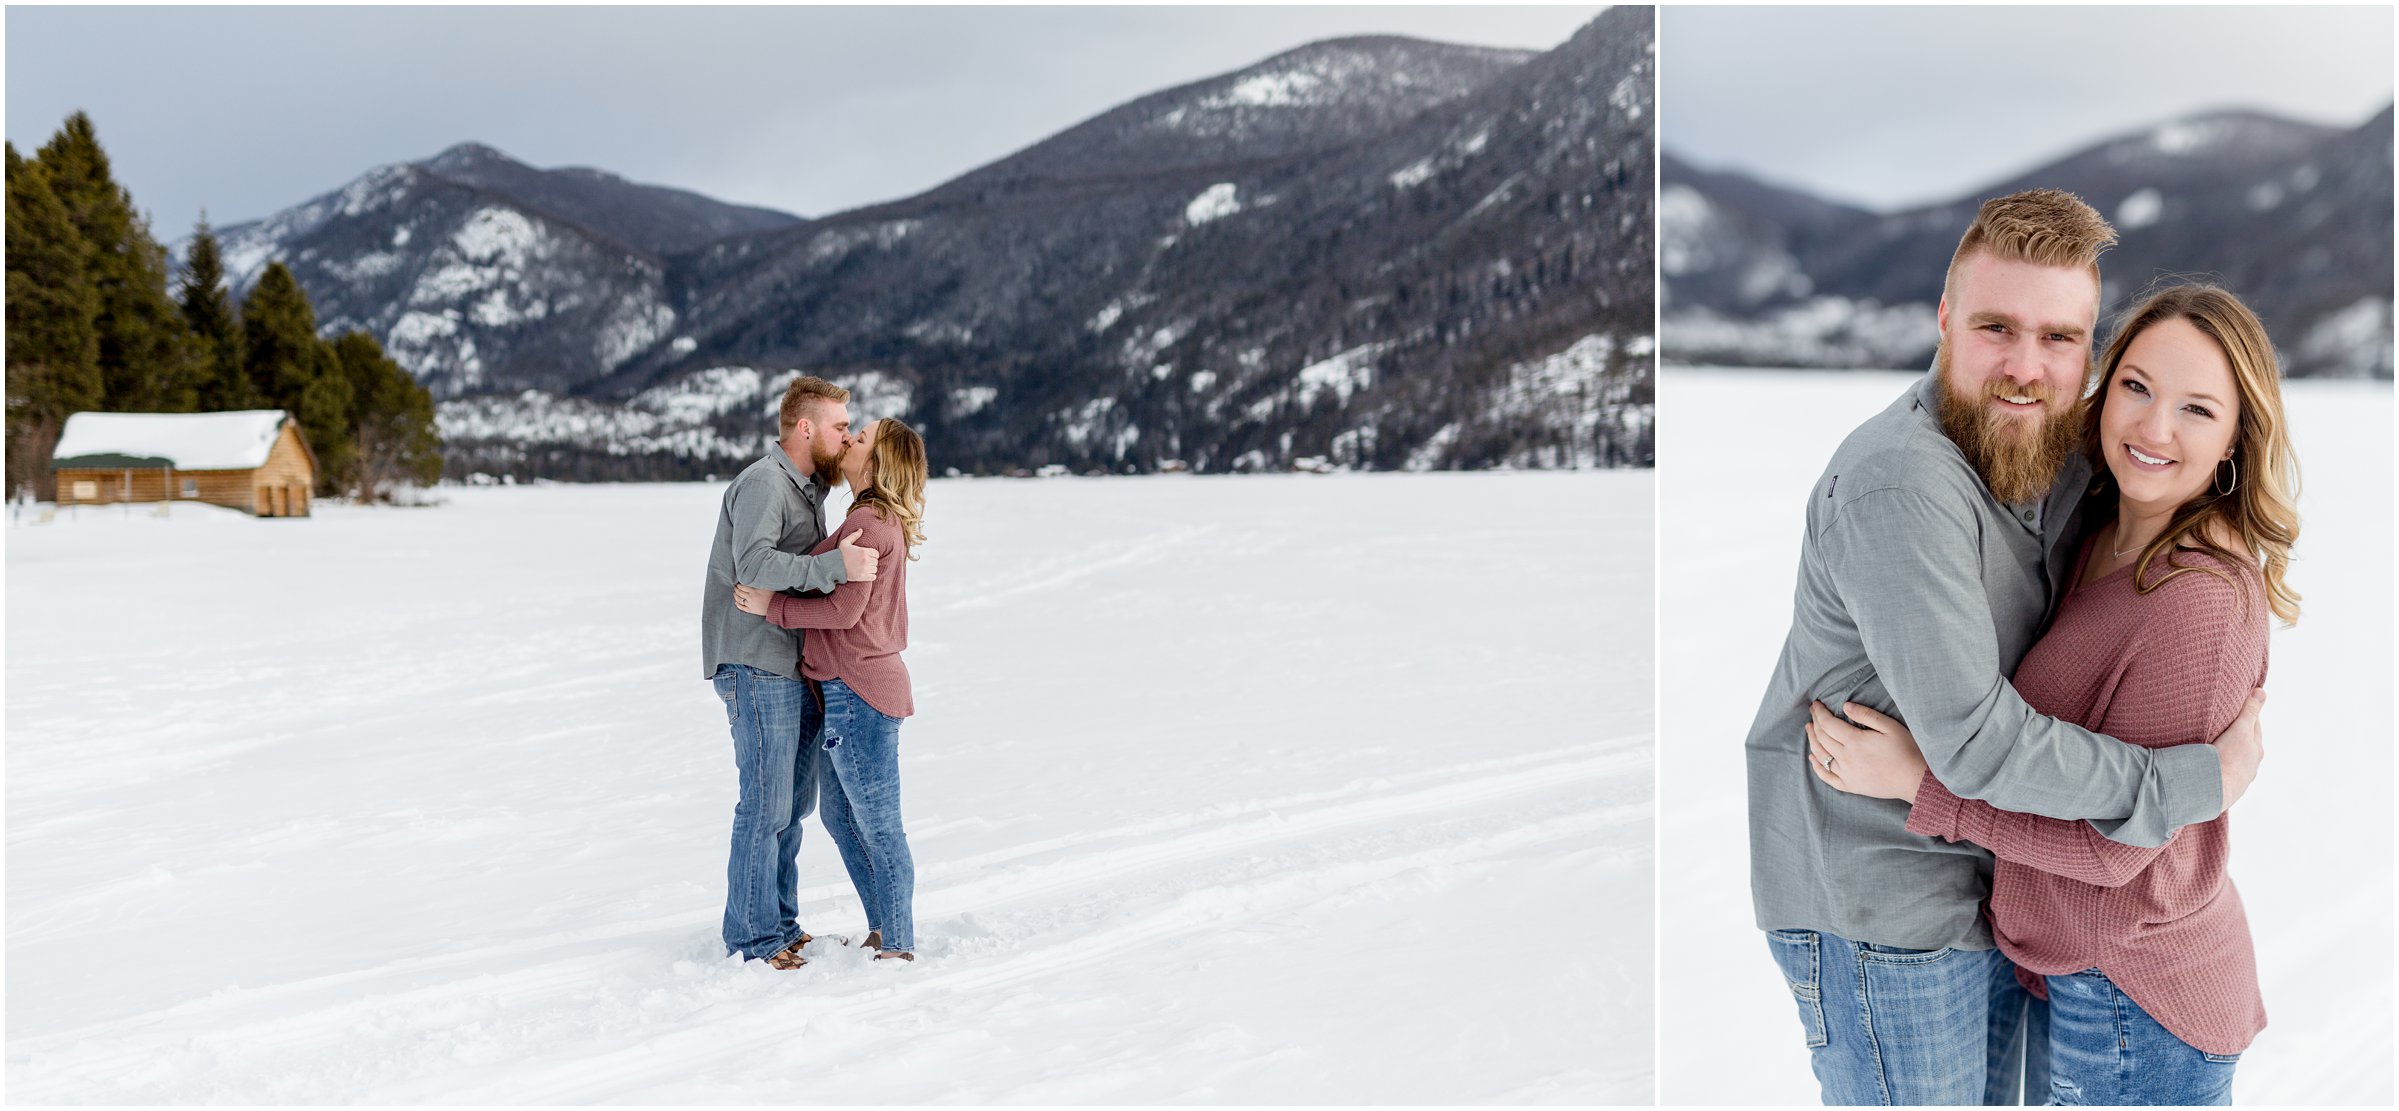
point(861, 781)
point(2104, 1049)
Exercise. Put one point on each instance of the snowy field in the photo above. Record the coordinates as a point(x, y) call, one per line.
point(2312, 841)
point(1282, 789)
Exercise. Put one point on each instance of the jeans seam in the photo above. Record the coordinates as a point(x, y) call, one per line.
point(753, 736)
point(1810, 994)
point(1874, 1046)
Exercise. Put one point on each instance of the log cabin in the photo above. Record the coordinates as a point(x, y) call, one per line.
point(254, 460)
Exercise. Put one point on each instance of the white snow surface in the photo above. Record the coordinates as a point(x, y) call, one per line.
point(227, 441)
point(1215, 202)
point(496, 236)
point(671, 417)
point(1274, 89)
point(2355, 340)
point(2187, 136)
point(1344, 374)
point(2312, 847)
point(1216, 799)
point(1686, 224)
point(2141, 209)
point(1827, 328)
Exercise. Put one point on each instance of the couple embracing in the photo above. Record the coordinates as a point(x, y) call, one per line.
point(1990, 778)
point(801, 635)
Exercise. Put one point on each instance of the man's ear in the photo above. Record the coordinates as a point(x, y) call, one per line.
point(1941, 315)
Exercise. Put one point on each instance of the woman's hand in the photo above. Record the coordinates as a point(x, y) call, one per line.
point(750, 599)
point(1876, 757)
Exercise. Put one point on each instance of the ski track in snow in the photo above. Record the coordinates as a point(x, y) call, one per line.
point(1283, 789)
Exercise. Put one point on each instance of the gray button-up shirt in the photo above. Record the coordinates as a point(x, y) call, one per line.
point(1918, 594)
point(771, 516)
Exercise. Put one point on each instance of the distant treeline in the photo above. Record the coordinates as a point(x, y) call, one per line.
point(93, 325)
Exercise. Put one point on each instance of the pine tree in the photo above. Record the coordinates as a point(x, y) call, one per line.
point(395, 435)
point(147, 362)
point(53, 348)
point(289, 368)
point(208, 312)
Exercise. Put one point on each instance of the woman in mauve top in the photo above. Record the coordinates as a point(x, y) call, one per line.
point(852, 656)
point(2143, 954)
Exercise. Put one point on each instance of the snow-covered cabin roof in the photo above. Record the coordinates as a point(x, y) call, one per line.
point(233, 441)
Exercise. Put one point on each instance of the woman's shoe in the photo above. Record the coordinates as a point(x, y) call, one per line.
point(790, 957)
point(901, 955)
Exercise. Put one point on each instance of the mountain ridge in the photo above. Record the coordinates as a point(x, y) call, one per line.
point(2289, 214)
point(1371, 252)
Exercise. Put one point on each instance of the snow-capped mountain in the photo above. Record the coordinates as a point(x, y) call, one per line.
point(1290, 104)
point(651, 218)
point(1371, 251)
point(2294, 217)
point(478, 272)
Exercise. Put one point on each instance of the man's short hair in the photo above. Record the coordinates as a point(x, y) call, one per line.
point(806, 394)
point(2045, 227)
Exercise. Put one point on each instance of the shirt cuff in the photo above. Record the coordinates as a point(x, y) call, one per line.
point(2192, 778)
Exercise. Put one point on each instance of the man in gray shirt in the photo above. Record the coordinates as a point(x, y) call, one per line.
point(772, 515)
point(1937, 541)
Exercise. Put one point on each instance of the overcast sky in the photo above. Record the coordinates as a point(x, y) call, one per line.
point(245, 111)
point(1895, 107)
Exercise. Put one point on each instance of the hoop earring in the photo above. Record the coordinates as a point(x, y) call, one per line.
point(2236, 477)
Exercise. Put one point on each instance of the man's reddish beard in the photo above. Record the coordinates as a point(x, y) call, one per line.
point(2019, 465)
point(825, 465)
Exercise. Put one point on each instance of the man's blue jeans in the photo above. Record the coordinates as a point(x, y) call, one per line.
point(862, 812)
point(2104, 1049)
point(1908, 1026)
point(774, 722)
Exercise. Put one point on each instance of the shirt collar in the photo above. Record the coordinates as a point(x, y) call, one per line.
point(810, 486)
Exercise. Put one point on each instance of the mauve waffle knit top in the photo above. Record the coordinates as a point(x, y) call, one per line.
point(856, 633)
point(2165, 668)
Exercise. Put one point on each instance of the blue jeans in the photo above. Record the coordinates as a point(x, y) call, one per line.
point(862, 812)
point(774, 721)
point(1886, 1025)
point(2104, 1049)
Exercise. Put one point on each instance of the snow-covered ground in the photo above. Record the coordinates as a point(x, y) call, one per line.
point(1283, 789)
point(2312, 857)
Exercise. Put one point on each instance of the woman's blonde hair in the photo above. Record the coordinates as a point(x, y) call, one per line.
point(2255, 494)
point(895, 480)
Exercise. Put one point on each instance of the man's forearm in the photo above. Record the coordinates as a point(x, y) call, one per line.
point(769, 568)
point(1999, 750)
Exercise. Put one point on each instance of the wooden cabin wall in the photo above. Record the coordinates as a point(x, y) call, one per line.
point(281, 487)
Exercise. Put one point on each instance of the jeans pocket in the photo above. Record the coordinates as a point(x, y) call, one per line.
point(1896, 954)
point(2223, 1058)
point(724, 683)
point(1796, 953)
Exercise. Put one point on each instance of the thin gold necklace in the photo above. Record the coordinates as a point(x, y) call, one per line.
point(2119, 552)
